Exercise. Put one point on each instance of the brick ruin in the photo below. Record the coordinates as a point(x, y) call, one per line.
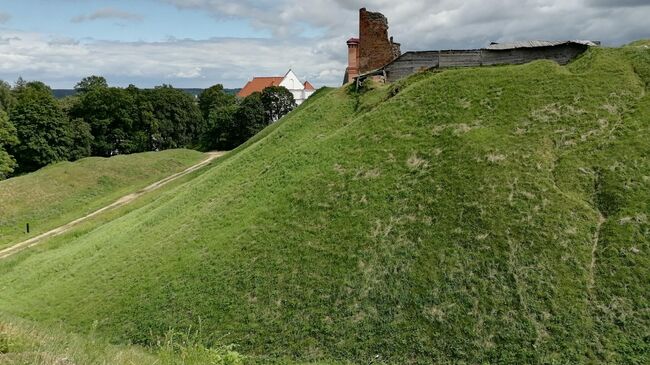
point(373, 49)
point(375, 55)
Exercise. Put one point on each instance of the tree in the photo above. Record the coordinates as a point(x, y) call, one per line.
point(91, 83)
point(81, 139)
point(178, 119)
point(278, 101)
point(112, 115)
point(250, 117)
point(6, 97)
point(42, 128)
point(8, 138)
point(213, 98)
point(20, 83)
point(145, 133)
point(221, 124)
point(218, 109)
point(234, 124)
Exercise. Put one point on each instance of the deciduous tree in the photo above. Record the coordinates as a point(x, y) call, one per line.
point(42, 128)
point(213, 98)
point(178, 118)
point(8, 138)
point(6, 97)
point(91, 83)
point(278, 101)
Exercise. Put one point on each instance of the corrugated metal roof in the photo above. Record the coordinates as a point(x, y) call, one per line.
point(535, 44)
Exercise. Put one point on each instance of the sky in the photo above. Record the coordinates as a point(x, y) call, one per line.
point(199, 43)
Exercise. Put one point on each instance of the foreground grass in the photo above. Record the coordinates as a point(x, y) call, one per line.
point(494, 215)
point(23, 343)
point(60, 193)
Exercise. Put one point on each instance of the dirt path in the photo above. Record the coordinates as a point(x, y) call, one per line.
point(120, 202)
point(591, 280)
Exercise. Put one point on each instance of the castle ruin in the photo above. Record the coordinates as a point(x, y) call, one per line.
point(373, 49)
point(375, 55)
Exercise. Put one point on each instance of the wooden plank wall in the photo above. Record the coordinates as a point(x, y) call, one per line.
point(412, 62)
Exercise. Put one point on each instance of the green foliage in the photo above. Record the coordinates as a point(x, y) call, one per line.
point(250, 117)
point(82, 138)
point(213, 98)
point(42, 127)
point(113, 115)
point(131, 120)
point(220, 127)
point(218, 109)
point(230, 123)
point(91, 83)
point(178, 119)
point(8, 139)
point(478, 216)
point(6, 97)
point(278, 101)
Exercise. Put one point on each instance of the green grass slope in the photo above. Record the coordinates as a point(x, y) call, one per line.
point(62, 192)
point(491, 215)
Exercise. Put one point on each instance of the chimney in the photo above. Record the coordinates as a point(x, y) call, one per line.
point(353, 59)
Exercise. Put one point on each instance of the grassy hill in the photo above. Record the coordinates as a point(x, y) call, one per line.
point(489, 215)
point(60, 193)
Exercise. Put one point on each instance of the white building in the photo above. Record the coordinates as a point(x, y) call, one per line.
point(301, 90)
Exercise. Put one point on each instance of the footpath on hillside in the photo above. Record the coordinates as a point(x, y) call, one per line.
point(34, 241)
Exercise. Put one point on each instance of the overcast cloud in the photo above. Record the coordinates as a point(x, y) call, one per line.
point(107, 13)
point(310, 37)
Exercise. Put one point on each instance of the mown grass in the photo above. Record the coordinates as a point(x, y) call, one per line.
point(491, 215)
point(62, 192)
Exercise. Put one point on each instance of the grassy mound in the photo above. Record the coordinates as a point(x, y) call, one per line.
point(489, 215)
point(60, 193)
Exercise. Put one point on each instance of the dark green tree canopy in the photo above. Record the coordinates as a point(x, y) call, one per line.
point(104, 121)
point(278, 101)
point(42, 127)
point(91, 83)
point(8, 138)
point(6, 97)
point(178, 117)
point(112, 116)
point(214, 97)
point(251, 115)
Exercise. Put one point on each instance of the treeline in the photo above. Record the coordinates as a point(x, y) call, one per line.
point(37, 129)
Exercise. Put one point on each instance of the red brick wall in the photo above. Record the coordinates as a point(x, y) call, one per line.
point(375, 48)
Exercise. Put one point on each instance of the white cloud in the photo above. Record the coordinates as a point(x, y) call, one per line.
point(427, 24)
point(183, 63)
point(107, 13)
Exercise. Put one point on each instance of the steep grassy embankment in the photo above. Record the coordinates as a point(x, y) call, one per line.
point(60, 193)
point(493, 215)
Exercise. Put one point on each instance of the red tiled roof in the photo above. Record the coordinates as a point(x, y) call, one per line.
point(308, 86)
point(258, 84)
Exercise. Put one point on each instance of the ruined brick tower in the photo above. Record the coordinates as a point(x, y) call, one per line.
point(373, 49)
